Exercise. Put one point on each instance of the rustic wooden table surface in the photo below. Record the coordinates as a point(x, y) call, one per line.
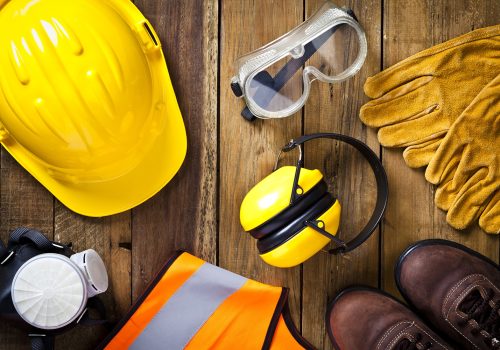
point(199, 209)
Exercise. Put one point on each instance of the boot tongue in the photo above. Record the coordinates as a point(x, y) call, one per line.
point(471, 302)
point(478, 308)
point(405, 344)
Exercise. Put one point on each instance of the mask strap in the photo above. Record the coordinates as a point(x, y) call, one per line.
point(25, 235)
point(380, 177)
point(41, 341)
point(22, 234)
point(5, 254)
point(97, 305)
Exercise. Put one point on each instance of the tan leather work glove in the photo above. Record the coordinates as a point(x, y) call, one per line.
point(417, 100)
point(466, 166)
point(490, 218)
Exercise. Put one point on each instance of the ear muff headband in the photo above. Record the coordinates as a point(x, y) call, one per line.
point(380, 177)
point(295, 226)
point(307, 200)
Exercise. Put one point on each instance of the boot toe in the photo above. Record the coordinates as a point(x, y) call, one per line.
point(358, 317)
point(428, 269)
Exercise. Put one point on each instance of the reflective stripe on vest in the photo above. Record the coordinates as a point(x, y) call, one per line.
point(195, 305)
point(189, 308)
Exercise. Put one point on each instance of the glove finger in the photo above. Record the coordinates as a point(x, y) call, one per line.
point(445, 193)
point(395, 76)
point(425, 63)
point(401, 104)
point(414, 131)
point(489, 220)
point(417, 156)
point(448, 150)
point(470, 203)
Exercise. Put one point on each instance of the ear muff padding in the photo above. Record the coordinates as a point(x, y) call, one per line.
point(306, 201)
point(296, 225)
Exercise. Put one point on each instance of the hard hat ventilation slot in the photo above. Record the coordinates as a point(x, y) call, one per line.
point(151, 35)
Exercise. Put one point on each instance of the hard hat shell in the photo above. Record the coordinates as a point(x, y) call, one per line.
point(86, 102)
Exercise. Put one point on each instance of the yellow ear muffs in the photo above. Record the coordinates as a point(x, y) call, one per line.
point(292, 214)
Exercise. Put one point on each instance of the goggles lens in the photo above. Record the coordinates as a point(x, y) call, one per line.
point(329, 57)
point(277, 87)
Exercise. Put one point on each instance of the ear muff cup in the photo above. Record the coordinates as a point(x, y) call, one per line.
point(306, 201)
point(295, 226)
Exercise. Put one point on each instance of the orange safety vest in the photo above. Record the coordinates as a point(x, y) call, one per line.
point(195, 305)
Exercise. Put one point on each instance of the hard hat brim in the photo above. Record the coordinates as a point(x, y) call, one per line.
point(104, 198)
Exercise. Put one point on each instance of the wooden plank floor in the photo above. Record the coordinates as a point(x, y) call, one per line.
point(199, 209)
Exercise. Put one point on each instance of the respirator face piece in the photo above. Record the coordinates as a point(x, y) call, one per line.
point(292, 214)
point(275, 79)
point(46, 288)
point(50, 290)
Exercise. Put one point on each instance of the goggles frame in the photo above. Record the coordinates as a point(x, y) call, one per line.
point(310, 35)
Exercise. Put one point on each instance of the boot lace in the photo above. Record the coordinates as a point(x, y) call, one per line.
point(413, 344)
point(483, 316)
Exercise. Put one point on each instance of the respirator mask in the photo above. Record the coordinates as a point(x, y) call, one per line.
point(45, 287)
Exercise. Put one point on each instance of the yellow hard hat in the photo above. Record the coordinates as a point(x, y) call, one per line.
point(86, 102)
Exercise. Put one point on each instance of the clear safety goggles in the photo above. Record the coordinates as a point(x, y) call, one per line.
point(275, 80)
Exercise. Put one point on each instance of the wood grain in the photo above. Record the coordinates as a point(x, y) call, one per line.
point(248, 150)
point(411, 214)
point(334, 108)
point(183, 214)
point(100, 234)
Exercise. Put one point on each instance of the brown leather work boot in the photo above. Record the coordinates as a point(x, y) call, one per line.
point(455, 289)
point(363, 318)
